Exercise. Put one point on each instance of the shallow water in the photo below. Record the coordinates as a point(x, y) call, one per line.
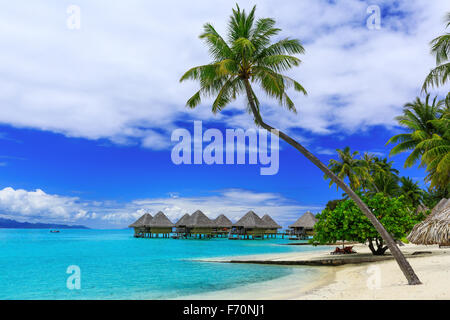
point(114, 265)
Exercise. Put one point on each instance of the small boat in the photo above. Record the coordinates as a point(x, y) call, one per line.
point(54, 231)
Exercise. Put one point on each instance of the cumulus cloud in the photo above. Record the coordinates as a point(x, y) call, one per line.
point(117, 77)
point(19, 203)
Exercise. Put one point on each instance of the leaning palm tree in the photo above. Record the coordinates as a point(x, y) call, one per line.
point(416, 119)
point(249, 57)
point(440, 48)
point(347, 167)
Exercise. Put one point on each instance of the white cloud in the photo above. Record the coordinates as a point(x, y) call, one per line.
point(117, 77)
point(21, 204)
point(326, 151)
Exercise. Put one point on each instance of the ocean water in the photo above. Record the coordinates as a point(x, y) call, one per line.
point(115, 265)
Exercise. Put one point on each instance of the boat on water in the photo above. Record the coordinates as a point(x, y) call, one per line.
point(54, 231)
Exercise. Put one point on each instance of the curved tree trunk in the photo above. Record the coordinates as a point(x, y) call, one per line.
point(398, 255)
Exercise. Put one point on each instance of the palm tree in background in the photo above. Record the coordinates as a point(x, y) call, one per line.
point(411, 190)
point(440, 48)
point(416, 119)
point(347, 167)
point(249, 57)
point(436, 155)
point(384, 178)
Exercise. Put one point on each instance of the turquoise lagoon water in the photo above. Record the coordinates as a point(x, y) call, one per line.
point(114, 265)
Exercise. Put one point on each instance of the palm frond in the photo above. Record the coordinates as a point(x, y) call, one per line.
point(437, 77)
point(285, 46)
point(218, 48)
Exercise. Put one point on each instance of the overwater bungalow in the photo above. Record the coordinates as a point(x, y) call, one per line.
point(272, 230)
point(181, 226)
point(160, 225)
point(199, 225)
point(303, 227)
point(223, 226)
point(141, 226)
point(250, 226)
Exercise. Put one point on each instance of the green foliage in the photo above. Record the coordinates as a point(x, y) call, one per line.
point(347, 167)
point(371, 175)
point(416, 120)
point(246, 56)
point(411, 191)
point(332, 204)
point(347, 222)
point(433, 196)
point(436, 153)
point(428, 139)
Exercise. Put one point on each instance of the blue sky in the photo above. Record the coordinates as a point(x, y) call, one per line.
point(86, 115)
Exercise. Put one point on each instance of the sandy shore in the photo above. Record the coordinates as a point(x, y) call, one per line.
point(375, 280)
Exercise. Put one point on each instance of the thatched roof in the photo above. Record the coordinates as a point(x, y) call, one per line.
point(183, 221)
point(199, 219)
point(143, 221)
point(307, 220)
point(251, 220)
point(161, 221)
point(223, 222)
point(435, 229)
point(268, 219)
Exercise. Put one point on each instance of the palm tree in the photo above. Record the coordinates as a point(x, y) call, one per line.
point(416, 119)
point(386, 184)
point(372, 168)
point(440, 48)
point(248, 57)
point(436, 155)
point(411, 191)
point(384, 177)
point(347, 167)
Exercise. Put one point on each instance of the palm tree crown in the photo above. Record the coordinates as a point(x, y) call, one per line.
point(416, 119)
point(347, 167)
point(247, 55)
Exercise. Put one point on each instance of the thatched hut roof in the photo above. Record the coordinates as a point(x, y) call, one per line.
point(184, 220)
point(307, 221)
point(160, 221)
point(199, 219)
point(268, 219)
point(435, 229)
point(251, 220)
point(143, 221)
point(223, 222)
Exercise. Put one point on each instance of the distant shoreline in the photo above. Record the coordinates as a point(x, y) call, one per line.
point(13, 224)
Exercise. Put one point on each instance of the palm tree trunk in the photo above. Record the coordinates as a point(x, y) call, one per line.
point(398, 255)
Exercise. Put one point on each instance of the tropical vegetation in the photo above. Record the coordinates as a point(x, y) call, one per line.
point(346, 221)
point(249, 57)
point(427, 139)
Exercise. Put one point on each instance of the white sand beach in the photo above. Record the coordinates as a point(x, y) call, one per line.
point(374, 280)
